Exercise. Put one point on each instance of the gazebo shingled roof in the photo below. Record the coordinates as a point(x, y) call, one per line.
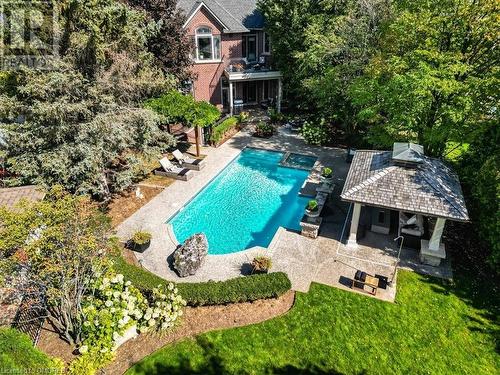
point(429, 188)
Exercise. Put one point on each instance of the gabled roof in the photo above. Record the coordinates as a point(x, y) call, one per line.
point(429, 188)
point(235, 16)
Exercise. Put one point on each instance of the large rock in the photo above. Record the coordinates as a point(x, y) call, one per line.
point(189, 257)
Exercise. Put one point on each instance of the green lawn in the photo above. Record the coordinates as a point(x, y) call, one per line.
point(19, 356)
point(430, 329)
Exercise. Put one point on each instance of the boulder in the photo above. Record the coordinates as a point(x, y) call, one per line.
point(189, 257)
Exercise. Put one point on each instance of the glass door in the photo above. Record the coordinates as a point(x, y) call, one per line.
point(250, 48)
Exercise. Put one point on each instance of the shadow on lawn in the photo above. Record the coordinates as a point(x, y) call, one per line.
point(474, 282)
point(214, 365)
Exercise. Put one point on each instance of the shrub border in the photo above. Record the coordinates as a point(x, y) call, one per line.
point(240, 289)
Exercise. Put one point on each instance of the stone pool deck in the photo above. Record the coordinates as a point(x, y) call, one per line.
point(324, 260)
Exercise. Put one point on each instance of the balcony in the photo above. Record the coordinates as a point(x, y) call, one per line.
point(237, 70)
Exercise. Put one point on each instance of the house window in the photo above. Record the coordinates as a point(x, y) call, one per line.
point(207, 45)
point(250, 47)
point(267, 43)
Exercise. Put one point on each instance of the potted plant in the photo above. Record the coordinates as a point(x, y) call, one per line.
point(327, 174)
point(264, 130)
point(243, 117)
point(261, 264)
point(140, 241)
point(312, 208)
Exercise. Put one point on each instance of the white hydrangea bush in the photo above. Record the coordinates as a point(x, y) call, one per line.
point(115, 305)
point(166, 307)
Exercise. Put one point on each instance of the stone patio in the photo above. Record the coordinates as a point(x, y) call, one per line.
point(324, 260)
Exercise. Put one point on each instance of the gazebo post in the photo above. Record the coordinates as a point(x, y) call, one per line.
point(435, 241)
point(433, 251)
point(354, 225)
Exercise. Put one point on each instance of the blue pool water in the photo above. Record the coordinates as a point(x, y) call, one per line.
point(300, 161)
point(245, 204)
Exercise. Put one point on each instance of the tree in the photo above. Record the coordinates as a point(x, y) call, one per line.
point(174, 107)
point(479, 169)
point(322, 47)
point(169, 43)
point(435, 76)
point(56, 246)
point(81, 125)
point(74, 134)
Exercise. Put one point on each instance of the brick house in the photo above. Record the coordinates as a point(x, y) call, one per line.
point(232, 57)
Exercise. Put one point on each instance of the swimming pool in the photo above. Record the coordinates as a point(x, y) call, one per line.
point(245, 204)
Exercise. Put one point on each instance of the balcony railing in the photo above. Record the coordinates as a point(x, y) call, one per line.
point(240, 69)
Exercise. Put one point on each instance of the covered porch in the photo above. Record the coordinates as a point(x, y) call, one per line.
point(250, 88)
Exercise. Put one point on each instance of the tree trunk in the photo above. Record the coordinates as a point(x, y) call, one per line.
point(197, 140)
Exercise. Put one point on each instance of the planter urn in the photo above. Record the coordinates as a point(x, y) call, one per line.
point(140, 247)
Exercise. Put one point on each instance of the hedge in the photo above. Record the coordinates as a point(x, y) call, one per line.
point(19, 356)
point(240, 289)
point(220, 130)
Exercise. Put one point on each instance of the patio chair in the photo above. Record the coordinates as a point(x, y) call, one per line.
point(187, 162)
point(362, 280)
point(173, 171)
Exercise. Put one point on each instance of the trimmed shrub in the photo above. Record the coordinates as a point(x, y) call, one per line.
point(240, 289)
point(219, 131)
point(18, 355)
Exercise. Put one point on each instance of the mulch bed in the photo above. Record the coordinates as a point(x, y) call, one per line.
point(123, 206)
point(196, 320)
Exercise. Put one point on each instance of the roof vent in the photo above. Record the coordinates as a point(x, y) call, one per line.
point(407, 154)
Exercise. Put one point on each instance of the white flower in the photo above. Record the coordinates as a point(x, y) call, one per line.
point(108, 303)
point(151, 322)
point(105, 280)
point(86, 323)
point(83, 349)
point(119, 278)
point(116, 294)
point(147, 316)
point(109, 293)
point(116, 336)
point(112, 310)
point(126, 319)
point(128, 283)
point(170, 286)
point(104, 350)
point(156, 315)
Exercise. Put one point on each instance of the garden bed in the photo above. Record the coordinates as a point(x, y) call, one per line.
point(123, 206)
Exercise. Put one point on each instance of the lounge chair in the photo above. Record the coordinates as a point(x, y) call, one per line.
point(173, 171)
point(362, 280)
point(187, 162)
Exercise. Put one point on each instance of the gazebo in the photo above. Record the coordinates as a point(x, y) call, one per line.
point(406, 187)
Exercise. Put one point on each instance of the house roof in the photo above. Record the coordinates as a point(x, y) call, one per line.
point(235, 16)
point(9, 197)
point(428, 188)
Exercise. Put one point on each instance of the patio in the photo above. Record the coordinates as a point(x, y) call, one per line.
point(325, 260)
